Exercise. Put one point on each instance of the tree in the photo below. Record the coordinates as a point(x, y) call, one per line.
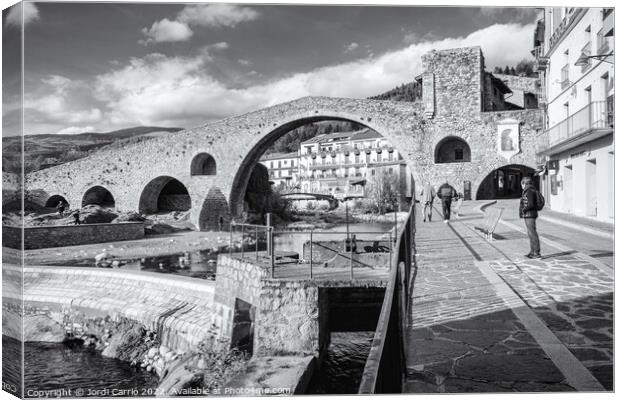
point(382, 190)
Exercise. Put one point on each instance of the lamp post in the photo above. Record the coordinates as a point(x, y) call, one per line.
point(583, 58)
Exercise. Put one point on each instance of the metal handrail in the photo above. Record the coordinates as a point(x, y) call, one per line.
point(592, 116)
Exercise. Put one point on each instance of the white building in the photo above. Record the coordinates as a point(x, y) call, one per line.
point(574, 49)
point(342, 163)
point(283, 169)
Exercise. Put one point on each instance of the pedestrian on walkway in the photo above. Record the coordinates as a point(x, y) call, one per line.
point(60, 208)
point(446, 193)
point(76, 217)
point(528, 210)
point(428, 196)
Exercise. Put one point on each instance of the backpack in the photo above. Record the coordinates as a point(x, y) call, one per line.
point(446, 192)
point(540, 201)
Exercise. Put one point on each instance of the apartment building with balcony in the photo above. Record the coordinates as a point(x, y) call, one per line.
point(343, 164)
point(574, 49)
point(283, 169)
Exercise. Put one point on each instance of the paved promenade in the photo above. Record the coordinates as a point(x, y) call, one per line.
point(485, 318)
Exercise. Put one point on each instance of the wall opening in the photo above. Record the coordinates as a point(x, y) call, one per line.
point(164, 194)
point(242, 336)
point(203, 164)
point(53, 201)
point(505, 182)
point(452, 150)
point(98, 195)
point(568, 188)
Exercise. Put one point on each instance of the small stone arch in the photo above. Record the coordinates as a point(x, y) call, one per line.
point(215, 213)
point(164, 193)
point(452, 149)
point(504, 182)
point(53, 201)
point(203, 164)
point(98, 195)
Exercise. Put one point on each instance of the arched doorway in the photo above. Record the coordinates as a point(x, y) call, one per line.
point(98, 195)
point(53, 201)
point(164, 194)
point(452, 149)
point(203, 164)
point(505, 182)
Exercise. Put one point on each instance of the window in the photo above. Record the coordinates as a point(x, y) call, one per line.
point(390, 156)
point(372, 172)
point(279, 164)
point(357, 158)
point(390, 171)
point(270, 164)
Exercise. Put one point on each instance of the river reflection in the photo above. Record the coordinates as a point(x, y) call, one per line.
point(341, 372)
point(53, 366)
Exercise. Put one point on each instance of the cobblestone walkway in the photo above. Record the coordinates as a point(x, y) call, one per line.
point(575, 300)
point(464, 336)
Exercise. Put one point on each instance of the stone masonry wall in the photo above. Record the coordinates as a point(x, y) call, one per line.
point(40, 237)
point(178, 308)
point(288, 319)
point(235, 279)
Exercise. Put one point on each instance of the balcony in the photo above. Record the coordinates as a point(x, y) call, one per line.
point(586, 51)
point(541, 62)
point(565, 81)
point(591, 122)
point(602, 43)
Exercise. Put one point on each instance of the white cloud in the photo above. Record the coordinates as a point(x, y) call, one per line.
point(244, 62)
point(61, 102)
point(179, 91)
point(30, 14)
point(351, 47)
point(74, 130)
point(216, 15)
point(207, 15)
point(166, 31)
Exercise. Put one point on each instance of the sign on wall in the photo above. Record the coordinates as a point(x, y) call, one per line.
point(508, 138)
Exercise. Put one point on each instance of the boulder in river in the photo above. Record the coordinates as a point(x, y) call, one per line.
point(41, 328)
point(130, 216)
point(127, 344)
point(94, 214)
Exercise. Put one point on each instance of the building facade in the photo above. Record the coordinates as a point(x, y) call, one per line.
point(343, 164)
point(283, 169)
point(574, 52)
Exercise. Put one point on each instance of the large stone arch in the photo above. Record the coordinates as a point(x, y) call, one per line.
point(164, 193)
point(486, 186)
point(401, 137)
point(215, 212)
point(98, 195)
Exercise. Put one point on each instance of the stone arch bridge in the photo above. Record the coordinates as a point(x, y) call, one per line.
point(206, 169)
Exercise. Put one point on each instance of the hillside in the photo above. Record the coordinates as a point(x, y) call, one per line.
point(48, 150)
point(410, 92)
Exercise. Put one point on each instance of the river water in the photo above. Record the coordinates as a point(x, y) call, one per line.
point(76, 372)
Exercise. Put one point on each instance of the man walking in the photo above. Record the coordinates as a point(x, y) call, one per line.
point(446, 193)
point(528, 210)
point(428, 196)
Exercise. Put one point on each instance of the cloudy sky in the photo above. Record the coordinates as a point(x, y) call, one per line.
point(100, 67)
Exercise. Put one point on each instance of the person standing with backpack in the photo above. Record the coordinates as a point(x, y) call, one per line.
point(446, 193)
point(531, 202)
point(428, 196)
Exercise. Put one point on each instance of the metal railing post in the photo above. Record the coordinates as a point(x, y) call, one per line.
point(242, 237)
point(256, 241)
point(351, 257)
point(390, 260)
point(230, 243)
point(273, 256)
point(311, 253)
